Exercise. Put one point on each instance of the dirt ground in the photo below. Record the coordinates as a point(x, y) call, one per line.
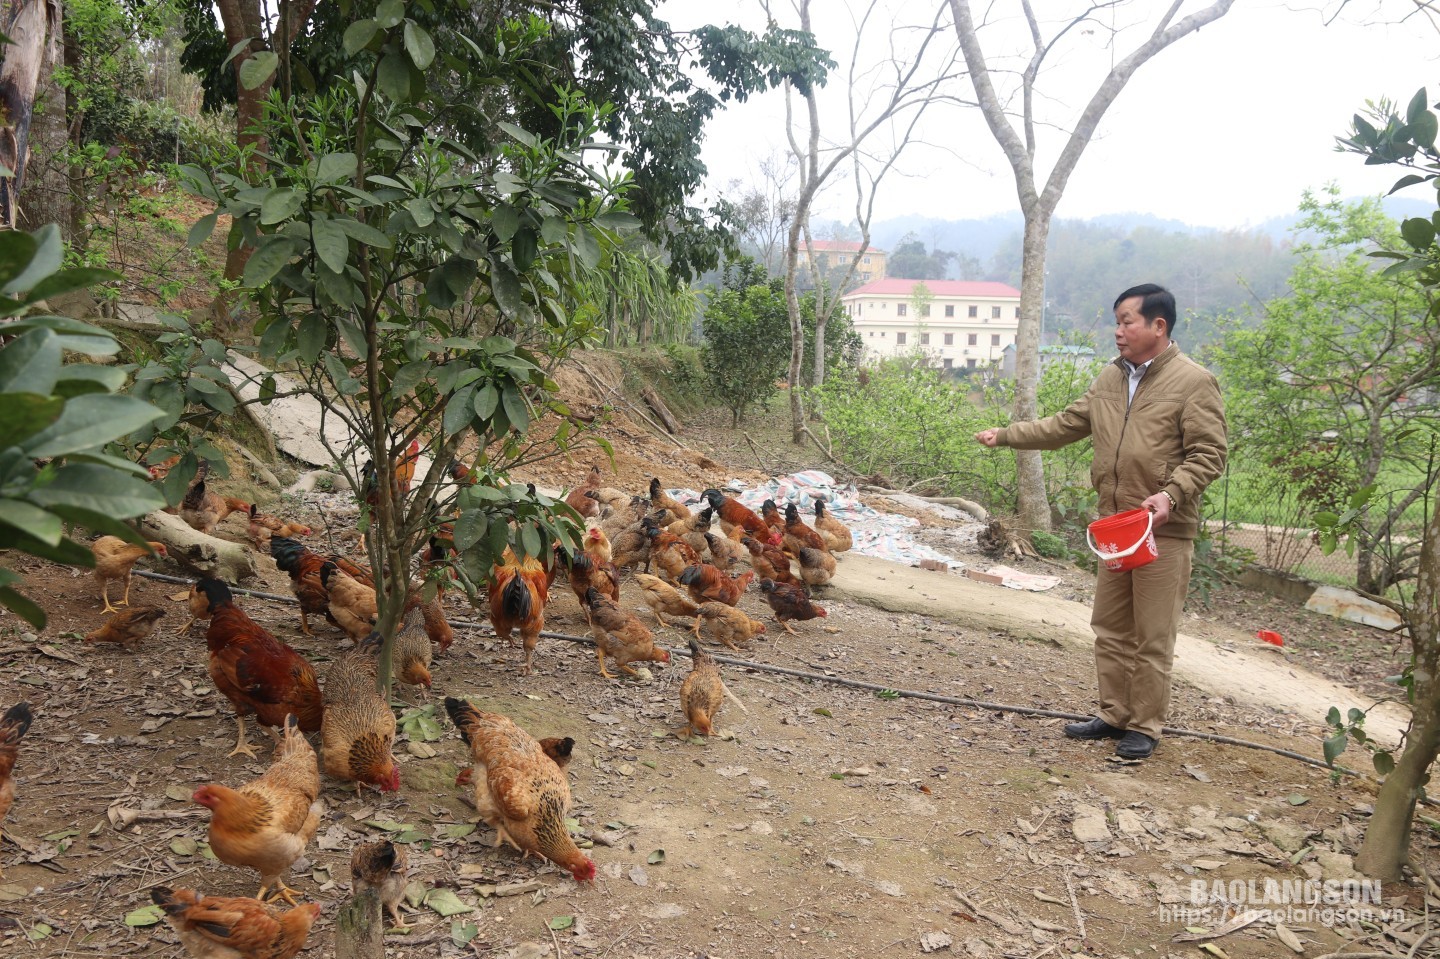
point(826, 821)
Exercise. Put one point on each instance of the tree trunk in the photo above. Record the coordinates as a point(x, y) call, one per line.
point(1034, 502)
point(797, 340)
point(822, 320)
point(242, 20)
point(78, 234)
point(1038, 204)
point(1387, 839)
point(48, 177)
point(33, 28)
point(199, 552)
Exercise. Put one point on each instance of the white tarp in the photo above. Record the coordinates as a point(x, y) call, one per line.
point(887, 536)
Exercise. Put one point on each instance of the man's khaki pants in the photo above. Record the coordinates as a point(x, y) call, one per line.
point(1136, 616)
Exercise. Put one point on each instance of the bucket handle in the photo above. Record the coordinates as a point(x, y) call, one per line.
point(1090, 539)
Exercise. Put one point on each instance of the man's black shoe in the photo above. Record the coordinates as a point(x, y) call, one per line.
point(1135, 746)
point(1096, 728)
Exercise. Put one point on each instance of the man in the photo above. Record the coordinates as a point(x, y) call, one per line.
point(1158, 427)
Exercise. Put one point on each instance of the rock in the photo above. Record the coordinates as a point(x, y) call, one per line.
point(1090, 825)
point(889, 888)
point(667, 910)
point(1287, 836)
point(935, 940)
point(761, 828)
point(1209, 865)
point(1335, 865)
point(1344, 604)
point(1128, 822)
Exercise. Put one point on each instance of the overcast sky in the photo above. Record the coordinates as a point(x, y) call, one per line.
point(1225, 128)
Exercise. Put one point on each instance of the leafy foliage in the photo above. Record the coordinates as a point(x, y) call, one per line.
point(743, 354)
point(613, 52)
point(1408, 141)
point(1339, 381)
point(747, 333)
point(421, 293)
point(907, 421)
point(56, 419)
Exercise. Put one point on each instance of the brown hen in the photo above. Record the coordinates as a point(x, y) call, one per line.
point(229, 927)
point(129, 627)
point(520, 791)
point(620, 635)
point(258, 674)
point(357, 734)
point(13, 726)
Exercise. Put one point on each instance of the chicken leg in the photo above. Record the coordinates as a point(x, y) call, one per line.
point(278, 891)
point(105, 595)
point(600, 655)
point(125, 600)
point(786, 625)
point(242, 745)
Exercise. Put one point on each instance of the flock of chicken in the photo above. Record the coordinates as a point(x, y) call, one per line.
point(520, 787)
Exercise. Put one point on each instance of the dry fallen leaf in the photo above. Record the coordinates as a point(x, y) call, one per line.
point(1289, 938)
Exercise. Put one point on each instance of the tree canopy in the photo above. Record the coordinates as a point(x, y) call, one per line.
point(613, 52)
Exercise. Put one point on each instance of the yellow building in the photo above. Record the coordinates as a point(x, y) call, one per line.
point(834, 256)
point(961, 324)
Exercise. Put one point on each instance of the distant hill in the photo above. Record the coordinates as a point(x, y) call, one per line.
point(983, 238)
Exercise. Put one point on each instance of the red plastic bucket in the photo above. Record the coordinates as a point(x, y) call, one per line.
point(1124, 541)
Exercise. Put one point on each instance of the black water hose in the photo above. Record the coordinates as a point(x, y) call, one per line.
point(860, 684)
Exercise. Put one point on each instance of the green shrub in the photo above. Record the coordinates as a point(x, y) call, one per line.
point(906, 421)
point(1049, 545)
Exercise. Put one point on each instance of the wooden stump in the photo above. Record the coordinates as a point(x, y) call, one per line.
point(360, 928)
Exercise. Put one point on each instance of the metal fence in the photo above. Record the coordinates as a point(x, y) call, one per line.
point(1261, 518)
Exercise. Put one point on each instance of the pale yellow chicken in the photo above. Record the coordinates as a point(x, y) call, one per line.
point(115, 559)
point(266, 824)
point(727, 624)
point(352, 603)
point(664, 599)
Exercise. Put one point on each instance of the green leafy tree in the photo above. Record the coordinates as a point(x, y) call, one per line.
point(911, 261)
point(1011, 96)
point(58, 418)
point(746, 327)
point(1325, 394)
point(1409, 139)
point(421, 293)
point(907, 421)
point(612, 51)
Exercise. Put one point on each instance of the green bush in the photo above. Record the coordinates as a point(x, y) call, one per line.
point(1049, 545)
point(906, 421)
